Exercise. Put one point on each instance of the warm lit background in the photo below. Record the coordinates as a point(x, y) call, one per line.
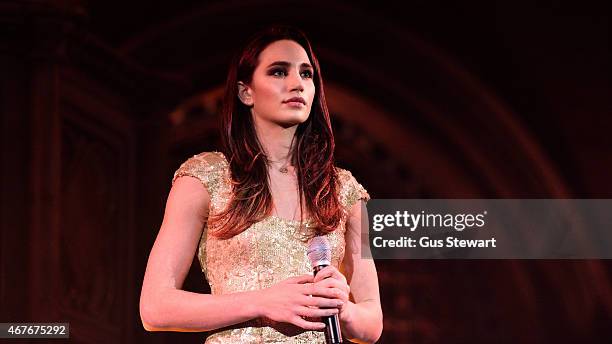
point(101, 100)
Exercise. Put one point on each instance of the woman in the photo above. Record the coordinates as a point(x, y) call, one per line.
point(241, 209)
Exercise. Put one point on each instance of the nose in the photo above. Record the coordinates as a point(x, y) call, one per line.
point(295, 82)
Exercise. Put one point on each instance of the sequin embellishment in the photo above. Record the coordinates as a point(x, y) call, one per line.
point(266, 253)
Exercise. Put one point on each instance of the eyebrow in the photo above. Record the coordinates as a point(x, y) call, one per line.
point(287, 64)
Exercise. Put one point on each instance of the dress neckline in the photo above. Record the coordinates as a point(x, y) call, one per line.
point(291, 222)
point(281, 219)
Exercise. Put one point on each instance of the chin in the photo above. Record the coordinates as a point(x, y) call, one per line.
point(289, 124)
point(292, 120)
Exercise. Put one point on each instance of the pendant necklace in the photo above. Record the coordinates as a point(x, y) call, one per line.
point(283, 169)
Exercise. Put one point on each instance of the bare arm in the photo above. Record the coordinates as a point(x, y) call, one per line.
point(165, 307)
point(362, 320)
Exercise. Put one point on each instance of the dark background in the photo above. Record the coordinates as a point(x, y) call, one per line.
point(100, 101)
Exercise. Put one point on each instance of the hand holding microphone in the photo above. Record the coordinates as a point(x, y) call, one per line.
point(301, 300)
point(297, 299)
point(327, 276)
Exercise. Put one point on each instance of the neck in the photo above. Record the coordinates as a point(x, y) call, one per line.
point(275, 140)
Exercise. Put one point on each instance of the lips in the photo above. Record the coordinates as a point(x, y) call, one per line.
point(295, 100)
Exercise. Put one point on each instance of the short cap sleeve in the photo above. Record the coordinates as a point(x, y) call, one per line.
point(207, 167)
point(350, 189)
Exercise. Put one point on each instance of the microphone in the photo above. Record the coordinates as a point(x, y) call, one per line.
point(319, 254)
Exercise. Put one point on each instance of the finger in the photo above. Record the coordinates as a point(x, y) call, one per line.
point(329, 271)
point(322, 302)
point(338, 294)
point(300, 279)
point(308, 325)
point(334, 283)
point(326, 272)
point(331, 293)
point(317, 312)
point(308, 288)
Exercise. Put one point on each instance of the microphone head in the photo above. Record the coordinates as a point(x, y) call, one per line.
point(319, 251)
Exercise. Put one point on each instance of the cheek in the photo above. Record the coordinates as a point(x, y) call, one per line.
point(311, 101)
point(267, 96)
point(309, 92)
point(271, 91)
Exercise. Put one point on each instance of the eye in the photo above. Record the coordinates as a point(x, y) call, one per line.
point(308, 74)
point(278, 72)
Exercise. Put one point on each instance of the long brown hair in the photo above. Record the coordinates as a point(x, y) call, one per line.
point(312, 149)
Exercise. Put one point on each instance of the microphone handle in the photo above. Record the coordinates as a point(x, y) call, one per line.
point(333, 333)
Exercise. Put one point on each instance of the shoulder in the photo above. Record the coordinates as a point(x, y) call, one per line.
point(349, 189)
point(208, 167)
point(205, 158)
point(343, 174)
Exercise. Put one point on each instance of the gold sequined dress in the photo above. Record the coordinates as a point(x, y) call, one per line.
point(268, 252)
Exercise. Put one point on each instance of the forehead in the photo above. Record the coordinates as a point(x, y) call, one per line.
point(283, 50)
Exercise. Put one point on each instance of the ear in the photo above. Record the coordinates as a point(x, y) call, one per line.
point(244, 93)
